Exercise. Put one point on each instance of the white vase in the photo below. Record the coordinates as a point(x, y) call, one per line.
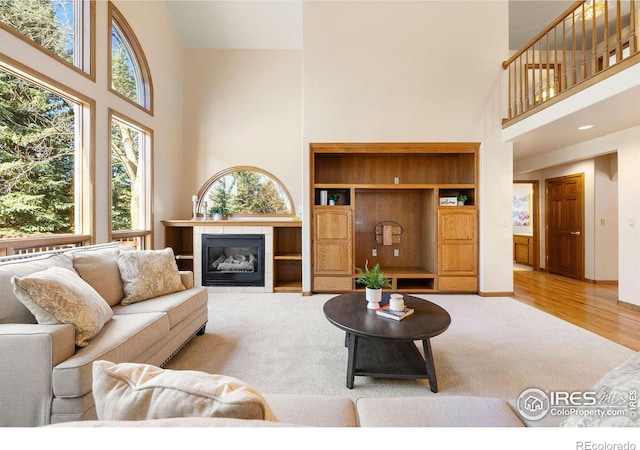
point(373, 296)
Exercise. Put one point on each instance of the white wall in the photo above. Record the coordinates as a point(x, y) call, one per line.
point(606, 218)
point(397, 71)
point(242, 108)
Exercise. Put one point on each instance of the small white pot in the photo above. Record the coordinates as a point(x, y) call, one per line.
point(373, 296)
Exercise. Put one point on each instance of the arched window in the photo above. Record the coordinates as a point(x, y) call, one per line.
point(62, 28)
point(244, 191)
point(129, 74)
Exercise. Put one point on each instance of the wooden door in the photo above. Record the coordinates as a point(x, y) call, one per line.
point(565, 235)
point(332, 242)
point(458, 249)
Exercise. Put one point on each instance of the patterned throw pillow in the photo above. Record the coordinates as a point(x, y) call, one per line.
point(616, 397)
point(147, 274)
point(59, 295)
point(130, 391)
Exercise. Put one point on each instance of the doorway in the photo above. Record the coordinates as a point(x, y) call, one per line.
point(564, 219)
point(526, 220)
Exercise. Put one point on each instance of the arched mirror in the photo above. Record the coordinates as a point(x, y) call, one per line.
point(244, 191)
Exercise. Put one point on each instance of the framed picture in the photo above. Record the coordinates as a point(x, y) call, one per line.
point(521, 210)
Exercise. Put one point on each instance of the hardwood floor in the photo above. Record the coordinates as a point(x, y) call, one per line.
point(587, 305)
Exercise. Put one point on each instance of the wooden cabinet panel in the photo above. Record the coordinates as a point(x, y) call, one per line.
point(523, 250)
point(458, 249)
point(332, 241)
point(333, 223)
point(332, 284)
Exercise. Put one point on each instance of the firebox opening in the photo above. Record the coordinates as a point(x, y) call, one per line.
point(233, 260)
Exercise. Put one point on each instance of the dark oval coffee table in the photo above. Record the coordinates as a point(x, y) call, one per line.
point(384, 348)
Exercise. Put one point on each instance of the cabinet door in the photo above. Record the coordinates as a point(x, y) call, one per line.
point(332, 241)
point(458, 248)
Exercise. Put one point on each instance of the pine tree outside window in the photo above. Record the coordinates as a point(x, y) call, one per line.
point(62, 28)
point(40, 150)
point(129, 74)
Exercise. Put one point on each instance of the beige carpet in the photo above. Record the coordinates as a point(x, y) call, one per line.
point(282, 343)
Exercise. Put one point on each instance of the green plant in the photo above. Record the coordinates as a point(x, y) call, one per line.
point(334, 197)
point(217, 210)
point(374, 278)
point(463, 198)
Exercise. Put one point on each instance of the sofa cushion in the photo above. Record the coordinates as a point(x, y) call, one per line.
point(59, 295)
point(178, 305)
point(123, 338)
point(436, 411)
point(147, 274)
point(313, 410)
point(12, 310)
point(616, 397)
point(129, 391)
point(98, 267)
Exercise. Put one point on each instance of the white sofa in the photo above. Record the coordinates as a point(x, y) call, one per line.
point(44, 377)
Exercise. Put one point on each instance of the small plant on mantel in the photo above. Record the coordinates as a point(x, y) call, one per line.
point(462, 198)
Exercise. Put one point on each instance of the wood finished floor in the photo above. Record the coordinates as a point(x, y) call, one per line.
point(587, 305)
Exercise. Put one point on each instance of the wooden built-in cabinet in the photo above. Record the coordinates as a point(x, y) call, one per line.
point(287, 248)
point(523, 249)
point(396, 188)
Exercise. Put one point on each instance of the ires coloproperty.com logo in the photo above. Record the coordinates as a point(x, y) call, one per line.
point(534, 404)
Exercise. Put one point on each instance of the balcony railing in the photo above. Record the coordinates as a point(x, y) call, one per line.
point(587, 41)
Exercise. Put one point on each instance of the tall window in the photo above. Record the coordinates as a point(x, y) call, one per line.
point(129, 72)
point(130, 176)
point(60, 27)
point(39, 159)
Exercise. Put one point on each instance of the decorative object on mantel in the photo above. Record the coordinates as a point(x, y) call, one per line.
point(333, 198)
point(194, 207)
point(374, 281)
point(387, 233)
point(462, 198)
point(217, 212)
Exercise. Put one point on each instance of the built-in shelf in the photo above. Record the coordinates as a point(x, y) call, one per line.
point(287, 247)
point(398, 184)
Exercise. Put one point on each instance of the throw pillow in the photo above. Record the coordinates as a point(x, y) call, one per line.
point(616, 397)
point(59, 295)
point(147, 274)
point(130, 391)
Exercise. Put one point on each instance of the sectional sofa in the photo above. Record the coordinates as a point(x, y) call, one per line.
point(45, 372)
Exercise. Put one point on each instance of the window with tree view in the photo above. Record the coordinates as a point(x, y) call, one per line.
point(128, 164)
point(59, 26)
point(129, 76)
point(246, 191)
point(37, 159)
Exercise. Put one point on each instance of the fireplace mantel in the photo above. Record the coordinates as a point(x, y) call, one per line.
point(283, 249)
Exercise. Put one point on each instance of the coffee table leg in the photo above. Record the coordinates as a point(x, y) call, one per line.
point(431, 370)
point(352, 345)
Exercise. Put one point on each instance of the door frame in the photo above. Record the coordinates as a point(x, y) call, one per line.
point(536, 219)
point(546, 221)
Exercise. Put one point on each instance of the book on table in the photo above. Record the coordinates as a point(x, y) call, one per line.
point(386, 311)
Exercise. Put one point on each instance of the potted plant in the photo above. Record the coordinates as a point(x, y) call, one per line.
point(374, 281)
point(217, 212)
point(333, 198)
point(462, 198)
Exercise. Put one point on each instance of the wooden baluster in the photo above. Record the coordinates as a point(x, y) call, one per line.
point(548, 64)
point(618, 33)
point(564, 53)
point(526, 82)
point(574, 75)
point(633, 40)
point(556, 76)
point(594, 41)
point(605, 56)
point(584, 45)
point(510, 112)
